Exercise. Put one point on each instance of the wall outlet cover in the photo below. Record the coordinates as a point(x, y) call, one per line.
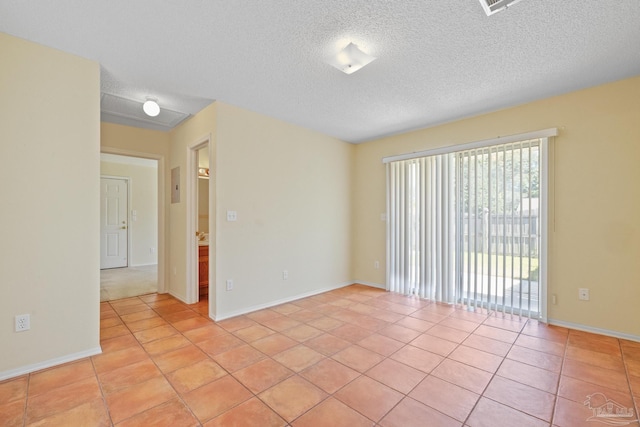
point(583, 294)
point(23, 322)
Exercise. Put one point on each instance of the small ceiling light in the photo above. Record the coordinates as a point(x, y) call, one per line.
point(151, 107)
point(351, 59)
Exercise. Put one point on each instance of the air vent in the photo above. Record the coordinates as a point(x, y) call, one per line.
point(492, 6)
point(116, 109)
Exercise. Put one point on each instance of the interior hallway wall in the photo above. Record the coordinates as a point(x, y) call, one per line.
point(291, 189)
point(49, 233)
point(194, 130)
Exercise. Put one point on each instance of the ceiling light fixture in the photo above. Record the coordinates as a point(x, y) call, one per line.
point(351, 59)
point(151, 107)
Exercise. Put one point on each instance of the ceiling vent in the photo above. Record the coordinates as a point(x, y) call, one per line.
point(492, 6)
point(115, 109)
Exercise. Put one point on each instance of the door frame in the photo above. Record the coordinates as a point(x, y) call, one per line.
point(192, 222)
point(128, 181)
point(163, 232)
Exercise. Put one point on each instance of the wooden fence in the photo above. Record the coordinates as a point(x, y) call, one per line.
point(502, 234)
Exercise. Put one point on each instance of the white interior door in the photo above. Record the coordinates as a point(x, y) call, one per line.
point(113, 223)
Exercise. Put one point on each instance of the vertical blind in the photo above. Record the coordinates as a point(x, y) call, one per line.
point(498, 220)
point(421, 213)
point(467, 226)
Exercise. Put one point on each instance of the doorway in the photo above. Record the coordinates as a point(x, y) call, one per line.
point(129, 226)
point(201, 223)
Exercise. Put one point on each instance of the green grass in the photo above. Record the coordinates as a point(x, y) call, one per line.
point(499, 262)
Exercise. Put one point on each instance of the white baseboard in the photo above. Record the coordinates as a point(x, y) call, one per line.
point(280, 301)
point(143, 265)
point(178, 297)
point(373, 285)
point(49, 363)
point(591, 329)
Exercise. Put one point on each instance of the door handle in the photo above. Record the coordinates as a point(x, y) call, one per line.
point(124, 227)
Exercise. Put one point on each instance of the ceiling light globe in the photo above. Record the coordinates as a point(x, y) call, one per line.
point(151, 108)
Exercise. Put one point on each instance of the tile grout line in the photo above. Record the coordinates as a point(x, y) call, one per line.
point(164, 376)
point(406, 395)
point(360, 374)
point(179, 396)
point(371, 332)
point(329, 395)
point(26, 400)
point(512, 344)
point(626, 371)
point(102, 393)
point(495, 373)
point(557, 394)
point(256, 395)
point(325, 357)
point(341, 308)
point(229, 373)
point(469, 333)
point(447, 358)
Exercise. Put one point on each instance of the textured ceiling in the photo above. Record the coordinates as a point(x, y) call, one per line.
point(438, 61)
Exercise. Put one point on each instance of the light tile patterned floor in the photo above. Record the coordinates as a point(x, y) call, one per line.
point(356, 356)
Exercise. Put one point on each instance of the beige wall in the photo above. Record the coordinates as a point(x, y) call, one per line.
point(595, 234)
point(143, 181)
point(49, 158)
point(291, 189)
point(133, 141)
point(190, 132)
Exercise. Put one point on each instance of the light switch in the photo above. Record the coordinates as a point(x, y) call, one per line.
point(232, 216)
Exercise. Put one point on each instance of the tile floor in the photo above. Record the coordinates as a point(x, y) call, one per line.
point(356, 356)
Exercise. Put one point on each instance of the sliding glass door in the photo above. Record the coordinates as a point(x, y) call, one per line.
point(498, 228)
point(469, 226)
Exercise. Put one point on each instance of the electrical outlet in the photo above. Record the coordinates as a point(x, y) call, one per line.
point(152, 250)
point(23, 322)
point(583, 294)
point(232, 216)
point(229, 284)
point(285, 274)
